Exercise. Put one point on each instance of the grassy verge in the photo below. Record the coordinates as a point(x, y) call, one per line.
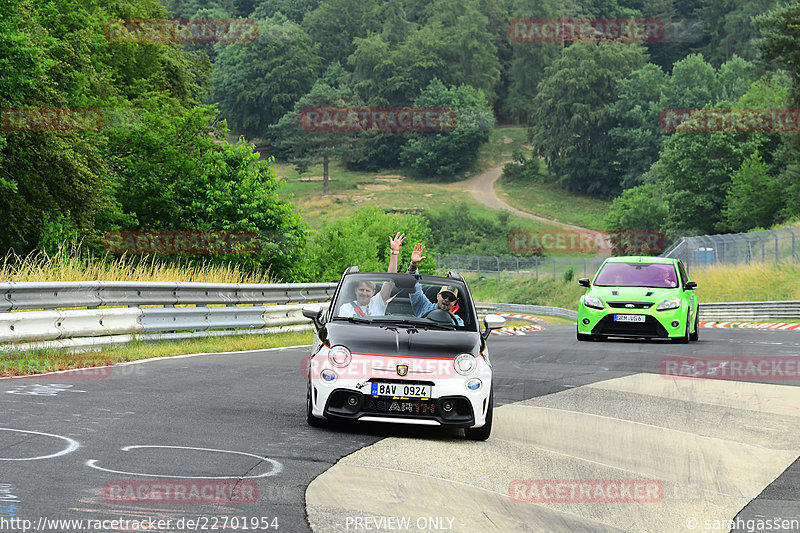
point(748, 283)
point(525, 290)
point(41, 361)
point(70, 264)
point(502, 143)
point(547, 200)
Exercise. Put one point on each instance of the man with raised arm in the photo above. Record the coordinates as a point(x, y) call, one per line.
point(446, 298)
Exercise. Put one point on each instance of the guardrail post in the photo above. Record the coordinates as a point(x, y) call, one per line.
point(498, 267)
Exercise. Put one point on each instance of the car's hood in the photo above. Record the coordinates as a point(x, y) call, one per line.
point(396, 340)
point(633, 294)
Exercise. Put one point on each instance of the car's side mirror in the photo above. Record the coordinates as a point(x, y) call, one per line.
point(313, 312)
point(690, 286)
point(584, 282)
point(491, 322)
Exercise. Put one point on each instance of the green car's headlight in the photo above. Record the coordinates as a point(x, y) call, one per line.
point(672, 303)
point(593, 301)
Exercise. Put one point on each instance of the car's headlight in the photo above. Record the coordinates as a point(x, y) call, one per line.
point(465, 364)
point(339, 356)
point(672, 303)
point(593, 301)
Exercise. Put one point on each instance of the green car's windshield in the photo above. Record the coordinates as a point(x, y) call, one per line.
point(637, 275)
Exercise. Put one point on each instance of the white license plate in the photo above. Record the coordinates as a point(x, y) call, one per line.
point(629, 318)
point(400, 390)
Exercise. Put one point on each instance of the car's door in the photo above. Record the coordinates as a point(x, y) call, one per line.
point(690, 295)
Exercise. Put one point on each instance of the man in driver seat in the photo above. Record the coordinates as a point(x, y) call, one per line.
point(446, 298)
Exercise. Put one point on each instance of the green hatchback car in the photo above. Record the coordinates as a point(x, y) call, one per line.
point(643, 297)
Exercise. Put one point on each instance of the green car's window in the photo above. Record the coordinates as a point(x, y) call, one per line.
point(684, 274)
point(637, 275)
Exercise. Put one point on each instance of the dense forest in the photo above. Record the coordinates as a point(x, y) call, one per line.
point(592, 109)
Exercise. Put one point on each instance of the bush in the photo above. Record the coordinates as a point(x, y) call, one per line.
point(363, 239)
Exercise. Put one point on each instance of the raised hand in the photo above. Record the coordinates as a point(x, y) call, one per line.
point(396, 242)
point(416, 255)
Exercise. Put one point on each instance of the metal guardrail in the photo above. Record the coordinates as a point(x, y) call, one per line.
point(16, 296)
point(709, 312)
point(531, 310)
point(184, 310)
point(750, 311)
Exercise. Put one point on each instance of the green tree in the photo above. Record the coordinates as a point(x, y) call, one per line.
point(643, 207)
point(444, 154)
point(636, 111)
point(294, 10)
point(570, 122)
point(257, 83)
point(178, 174)
point(363, 239)
point(781, 35)
point(754, 198)
point(648, 92)
point(731, 28)
point(335, 24)
point(303, 146)
point(695, 168)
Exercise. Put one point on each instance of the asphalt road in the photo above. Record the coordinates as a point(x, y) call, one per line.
point(67, 444)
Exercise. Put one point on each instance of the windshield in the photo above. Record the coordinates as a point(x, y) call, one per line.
point(637, 275)
point(400, 298)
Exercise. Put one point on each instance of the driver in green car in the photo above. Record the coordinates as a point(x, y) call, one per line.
point(446, 298)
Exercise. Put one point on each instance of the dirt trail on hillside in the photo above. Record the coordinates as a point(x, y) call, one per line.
point(482, 188)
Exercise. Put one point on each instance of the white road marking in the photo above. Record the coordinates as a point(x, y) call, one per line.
point(72, 445)
point(277, 467)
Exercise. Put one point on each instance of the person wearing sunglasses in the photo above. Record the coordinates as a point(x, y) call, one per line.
point(446, 298)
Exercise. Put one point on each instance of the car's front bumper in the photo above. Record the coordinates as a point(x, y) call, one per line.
point(451, 403)
point(658, 324)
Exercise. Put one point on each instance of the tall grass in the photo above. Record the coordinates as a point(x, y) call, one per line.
point(72, 263)
point(748, 283)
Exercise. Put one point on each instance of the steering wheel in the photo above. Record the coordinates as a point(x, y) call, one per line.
point(438, 315)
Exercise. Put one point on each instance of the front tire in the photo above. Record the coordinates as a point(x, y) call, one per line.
point(686, 335)
point(584, 336)
point(696, 335)
point(482, 433)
